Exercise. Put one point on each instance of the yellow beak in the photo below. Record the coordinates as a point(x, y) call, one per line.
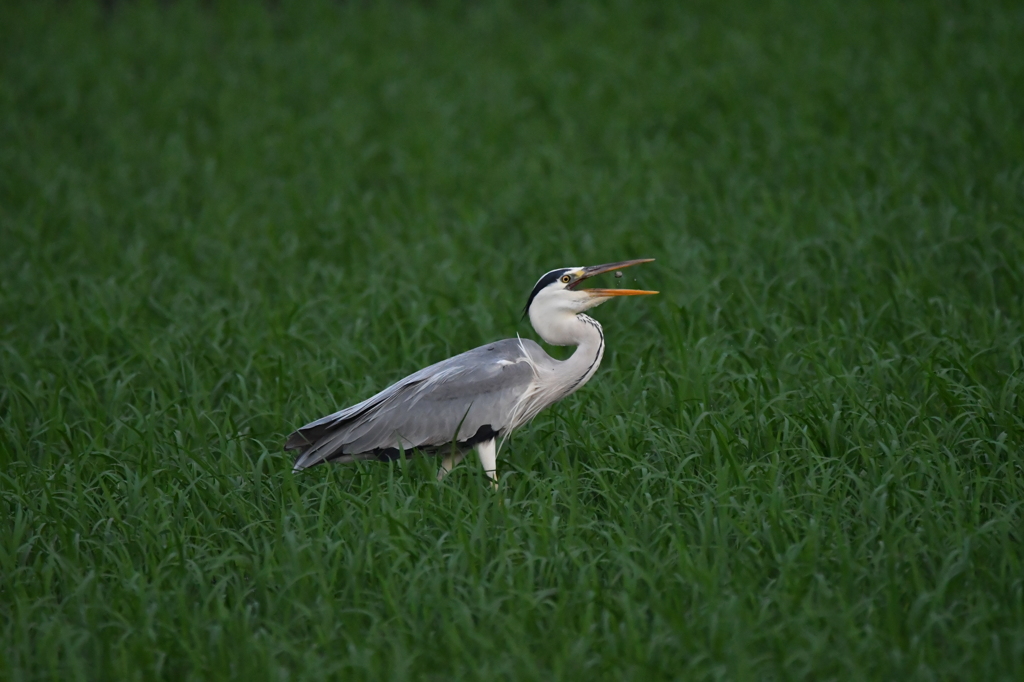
point(594, 270)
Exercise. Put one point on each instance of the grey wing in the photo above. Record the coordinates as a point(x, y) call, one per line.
point(465, 399)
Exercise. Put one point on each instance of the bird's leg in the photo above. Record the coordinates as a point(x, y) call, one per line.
point(448, 463)
point(489, 460)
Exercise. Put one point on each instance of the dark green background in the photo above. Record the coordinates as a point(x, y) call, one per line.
point(803, 460)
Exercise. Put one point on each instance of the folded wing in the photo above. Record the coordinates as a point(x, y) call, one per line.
point(463, 400)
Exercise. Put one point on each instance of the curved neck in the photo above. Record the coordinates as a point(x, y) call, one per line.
point(585, 360)
point(572, 330)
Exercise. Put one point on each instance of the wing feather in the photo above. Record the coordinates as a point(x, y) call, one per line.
point(469, 396)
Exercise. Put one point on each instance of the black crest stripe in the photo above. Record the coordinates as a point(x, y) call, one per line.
point(541, 283)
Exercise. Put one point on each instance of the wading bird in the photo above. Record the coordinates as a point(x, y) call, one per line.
point(476, 397)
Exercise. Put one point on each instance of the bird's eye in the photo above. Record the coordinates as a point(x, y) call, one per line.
point(566, 279)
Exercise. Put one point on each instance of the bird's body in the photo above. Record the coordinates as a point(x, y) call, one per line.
point(474, 398)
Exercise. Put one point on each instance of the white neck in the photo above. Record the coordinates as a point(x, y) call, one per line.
point(571, 329)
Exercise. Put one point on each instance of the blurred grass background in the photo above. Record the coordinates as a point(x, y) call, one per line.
point(803, 460)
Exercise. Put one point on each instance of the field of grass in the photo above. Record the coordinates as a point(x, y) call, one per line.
point(803, 460)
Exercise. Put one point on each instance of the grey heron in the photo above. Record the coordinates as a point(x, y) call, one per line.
point(474, 398)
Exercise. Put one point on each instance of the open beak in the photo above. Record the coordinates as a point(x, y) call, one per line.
point(594, 270)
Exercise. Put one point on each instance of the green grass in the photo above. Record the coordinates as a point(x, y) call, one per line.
point(804, 460)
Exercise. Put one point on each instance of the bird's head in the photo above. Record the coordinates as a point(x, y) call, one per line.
point(558, 294)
